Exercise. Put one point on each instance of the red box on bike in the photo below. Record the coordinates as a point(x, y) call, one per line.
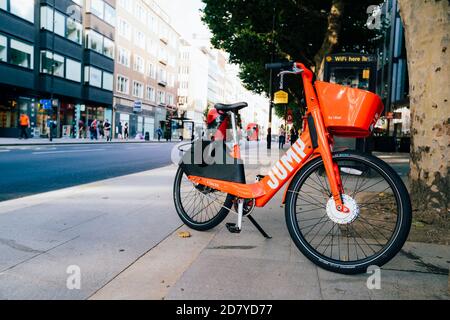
point(348, 112)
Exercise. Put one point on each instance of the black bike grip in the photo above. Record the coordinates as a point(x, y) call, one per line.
point(280, 65)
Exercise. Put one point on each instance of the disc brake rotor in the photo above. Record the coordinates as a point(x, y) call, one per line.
point(343, 217)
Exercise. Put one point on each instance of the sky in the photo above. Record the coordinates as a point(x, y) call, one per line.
point(185, 16)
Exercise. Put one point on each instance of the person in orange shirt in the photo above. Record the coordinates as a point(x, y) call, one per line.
point(24, 123)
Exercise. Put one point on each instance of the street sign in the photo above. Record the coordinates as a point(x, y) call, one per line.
point(46, 104)
point(137, 107)
point(366, 74)
point(281, 97)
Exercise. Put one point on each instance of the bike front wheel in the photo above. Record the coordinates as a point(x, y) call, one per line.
point(199, 207)
point(371, 234)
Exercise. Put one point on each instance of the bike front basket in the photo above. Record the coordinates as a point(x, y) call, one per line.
point(348, 112)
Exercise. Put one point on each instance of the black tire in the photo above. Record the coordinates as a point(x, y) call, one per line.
point(201, 201)
point(377, 206)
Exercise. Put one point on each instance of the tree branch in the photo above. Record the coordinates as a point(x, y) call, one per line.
point(331, 38)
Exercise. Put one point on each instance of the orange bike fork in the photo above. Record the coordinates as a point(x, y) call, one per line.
point(331, 168)
point(320, 138)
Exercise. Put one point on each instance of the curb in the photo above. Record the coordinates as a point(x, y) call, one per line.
point(77, 143)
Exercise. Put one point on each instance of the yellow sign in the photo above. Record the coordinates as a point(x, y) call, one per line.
point(281, 97)
point(349, 58)
point(366, 74)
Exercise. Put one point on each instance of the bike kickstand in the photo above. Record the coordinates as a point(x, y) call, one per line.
point(260, 229)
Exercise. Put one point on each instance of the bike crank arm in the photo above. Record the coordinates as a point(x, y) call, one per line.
point(237, 229)
point(232, 227)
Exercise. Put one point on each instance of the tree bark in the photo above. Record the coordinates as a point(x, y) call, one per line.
point(331, 37)
point(427, 33)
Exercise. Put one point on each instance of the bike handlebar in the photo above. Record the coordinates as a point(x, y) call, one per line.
point(295, 68)
point(279, 65)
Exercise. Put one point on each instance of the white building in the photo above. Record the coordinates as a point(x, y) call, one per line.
point(206, 78)
point(258, 105)
point(193, 83)
point(146, 67)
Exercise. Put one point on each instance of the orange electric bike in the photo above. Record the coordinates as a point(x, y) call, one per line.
point(344, 210)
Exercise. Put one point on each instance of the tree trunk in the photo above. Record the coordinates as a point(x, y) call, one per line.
point(427, 32)
point(331, 37)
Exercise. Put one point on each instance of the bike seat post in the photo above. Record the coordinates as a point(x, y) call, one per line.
point(234, 126)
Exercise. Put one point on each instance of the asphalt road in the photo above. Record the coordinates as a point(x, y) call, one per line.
point(30, 170)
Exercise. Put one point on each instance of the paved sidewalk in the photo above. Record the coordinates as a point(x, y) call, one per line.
point(101, 227)
point(220, 265)
point(122, 232)
point(4, 142)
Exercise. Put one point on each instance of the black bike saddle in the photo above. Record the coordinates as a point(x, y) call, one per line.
point(231, 107)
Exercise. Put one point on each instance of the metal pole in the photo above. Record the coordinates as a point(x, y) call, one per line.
point(53, 75)
point(269, 129)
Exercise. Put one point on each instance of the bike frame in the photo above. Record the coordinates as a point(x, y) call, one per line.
point(314, 142)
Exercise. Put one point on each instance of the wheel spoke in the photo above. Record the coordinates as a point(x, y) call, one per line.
point(365, 237)
point(199, 204)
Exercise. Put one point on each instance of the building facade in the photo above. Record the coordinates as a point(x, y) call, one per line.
point(193, 86)
point(56, 62)
point(206, 78)
point(392, 75)
point(145, 91)
point(392, 82)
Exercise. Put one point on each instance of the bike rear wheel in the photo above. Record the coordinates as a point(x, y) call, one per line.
point(372, 235)
point(199, 207)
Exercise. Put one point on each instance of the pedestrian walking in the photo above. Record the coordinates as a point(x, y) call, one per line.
point(167, 135)
point(73, 129)
point(24, 122)
point(294, 135)
point(126, 133)
point(51, 125)
point(93, 130)
point(101, 130)
point(119, 130)
point(281, 138)
point(81, 129)
point(159, 132)
point(107, 130)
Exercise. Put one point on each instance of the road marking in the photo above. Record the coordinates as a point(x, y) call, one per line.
point(137, 148)
point(5, 150)
point(68, 151)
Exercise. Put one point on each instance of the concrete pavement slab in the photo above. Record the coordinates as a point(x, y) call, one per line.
point(102, 228)
point(152, 276)
point(401, 285)
point(215, 277)
point(394, 285)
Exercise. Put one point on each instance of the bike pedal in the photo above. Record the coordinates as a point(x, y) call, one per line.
point(233, 228)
